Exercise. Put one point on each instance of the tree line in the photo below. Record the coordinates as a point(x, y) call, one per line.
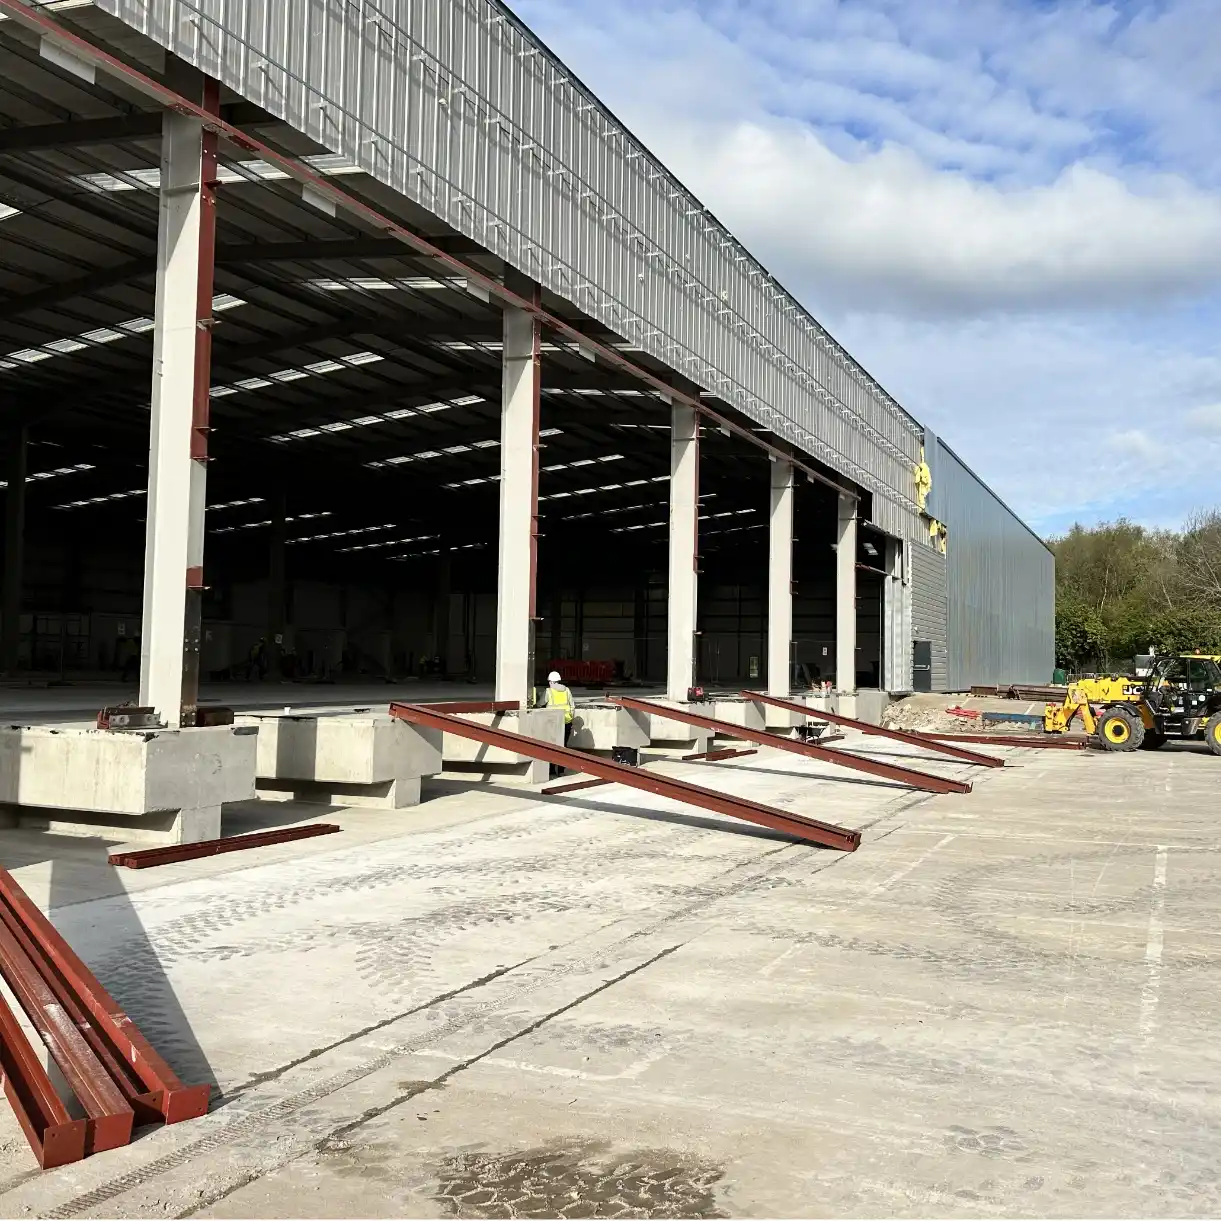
point(1121, 589)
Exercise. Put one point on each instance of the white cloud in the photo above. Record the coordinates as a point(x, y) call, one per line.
point(1010, 213)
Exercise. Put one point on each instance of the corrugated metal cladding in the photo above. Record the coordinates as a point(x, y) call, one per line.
point(1001, 585)
point(455, 104)
point(930, 610)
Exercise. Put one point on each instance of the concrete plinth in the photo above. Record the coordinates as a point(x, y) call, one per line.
point(865, 706)
point(782, 721)
point(667, 737)
point(373, 761)
point(601, 728)
point(742, 712)
point(161, 786)
point(466, 759)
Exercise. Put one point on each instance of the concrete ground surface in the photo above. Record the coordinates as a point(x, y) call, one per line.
point(499, 1004)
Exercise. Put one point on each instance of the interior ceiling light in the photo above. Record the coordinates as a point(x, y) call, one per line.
point(235, 504)
point(425, 454)
point(6, 211)
point(98, 500)
point(375, 284)
point(99, 336)
point(388, 542)
point(330, 165)
point(39, 476)
point(318, 369)
point(256, 525)
point(364, 421)
point(318, 538)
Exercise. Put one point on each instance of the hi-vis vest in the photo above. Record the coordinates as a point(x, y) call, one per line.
point(560, 697)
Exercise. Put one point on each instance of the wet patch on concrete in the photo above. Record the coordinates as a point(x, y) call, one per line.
point(578, 1179)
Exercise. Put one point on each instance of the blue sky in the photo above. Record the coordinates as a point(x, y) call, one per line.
point(1009, 211)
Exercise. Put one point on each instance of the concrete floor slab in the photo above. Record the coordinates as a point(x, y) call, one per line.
point(604, 1003)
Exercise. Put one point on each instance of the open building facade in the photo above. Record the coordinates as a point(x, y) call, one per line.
point(366, 331)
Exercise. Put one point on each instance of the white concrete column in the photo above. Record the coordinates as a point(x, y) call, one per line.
point(515, 584)
point(780, 582)
point(182, 349)
point(845, 596)
point(897, 637)
point(684, 549)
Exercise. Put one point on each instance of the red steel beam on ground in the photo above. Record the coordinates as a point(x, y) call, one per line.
point(715, 756)
point(108, 1117)
point(896, 735)
point(826, 834)
point(146, 858)
point(458, 707)
point(871, 767)
point(55, 1137)
point(1000, 739)
point(165, 1093)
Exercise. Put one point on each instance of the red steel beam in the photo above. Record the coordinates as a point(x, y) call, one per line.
point(999, 739)
point(165, 1092)
point(146, 858)
point(132, 1087)
point(464, 706)
point(871, 767)
point(55, 1137)
point(556, 789)
point(108, 1117)
point(896, 735)
point(826, 834)
point(715, 756)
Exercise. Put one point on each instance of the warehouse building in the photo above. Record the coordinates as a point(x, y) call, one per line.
point(363, 340)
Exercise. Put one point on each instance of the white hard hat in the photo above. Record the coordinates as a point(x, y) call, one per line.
point(554, 676)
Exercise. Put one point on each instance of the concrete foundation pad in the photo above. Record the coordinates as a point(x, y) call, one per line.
point(667, 737)
point(604, 727)
point(160, 786)
point(738, 711)
point(344, 760)
point(466, 759)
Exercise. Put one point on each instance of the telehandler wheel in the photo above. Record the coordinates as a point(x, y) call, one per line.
point(1119, 730)
point(1154, 740)
point(1212, 733)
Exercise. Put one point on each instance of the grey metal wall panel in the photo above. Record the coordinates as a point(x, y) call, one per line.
point(930, 608)
point(457, 106)
point(1001, 585)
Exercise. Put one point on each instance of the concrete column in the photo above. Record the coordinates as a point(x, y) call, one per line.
point(440, 613)
point(277, 592)
point(845, 596)
point(897, 636)
point(182, 353)
point(516, 577)
point(15, 471)
point(684, 550)
point(780, 582)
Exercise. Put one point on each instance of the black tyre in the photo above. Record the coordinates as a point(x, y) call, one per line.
point(1212, 733)
point(1120, 730)
point(1154, 740)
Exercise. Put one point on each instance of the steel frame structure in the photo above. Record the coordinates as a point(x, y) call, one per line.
point(827, 835)
point(878, 731)
point(871, 767)
point(326, 192)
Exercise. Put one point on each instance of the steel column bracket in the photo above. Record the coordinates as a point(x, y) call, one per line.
point(826, 834)
point(896, 735)
point(889, 771)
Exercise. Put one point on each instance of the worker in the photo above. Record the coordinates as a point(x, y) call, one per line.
point(559, 696)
